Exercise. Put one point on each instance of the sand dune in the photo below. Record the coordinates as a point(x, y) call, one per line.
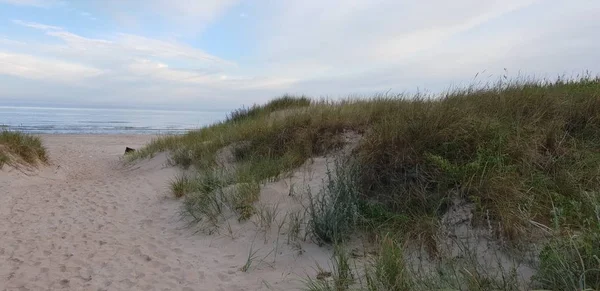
point(86, 222)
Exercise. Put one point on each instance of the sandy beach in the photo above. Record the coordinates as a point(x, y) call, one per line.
point(88, 222)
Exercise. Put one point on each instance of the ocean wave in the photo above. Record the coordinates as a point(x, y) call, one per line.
point(102, 121)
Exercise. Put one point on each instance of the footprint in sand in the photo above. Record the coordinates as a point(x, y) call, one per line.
point(224, 277)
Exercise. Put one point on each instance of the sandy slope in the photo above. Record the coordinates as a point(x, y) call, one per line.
point(88, 223)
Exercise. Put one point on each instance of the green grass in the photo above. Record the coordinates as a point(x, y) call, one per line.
point(389, 269)
point(572, 261)
point(334, 212)
point(21, 148)
point(283, 103)
point(340, 278)
point(208, 194)
point(526, 153)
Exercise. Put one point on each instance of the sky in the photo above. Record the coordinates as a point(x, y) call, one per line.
point(222, 54)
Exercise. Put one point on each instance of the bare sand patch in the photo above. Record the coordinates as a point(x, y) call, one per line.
point(88, 222)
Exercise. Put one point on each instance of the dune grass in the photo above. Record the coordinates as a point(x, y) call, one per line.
point(21, 148)
point(335, 211)
point(526, 153)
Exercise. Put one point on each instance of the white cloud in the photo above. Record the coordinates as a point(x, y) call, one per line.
point(161, 71)
point(87, 15)
point(164, 49)
point(138, 68)
point(36, 3)
point(362, 34)
point(184, 16)
point(400, 47)
point(36, 25)
point(126, 46)
point(31, 67)
point(339, 47)
point(7, 41)
point(186, 10)
point(312, 46)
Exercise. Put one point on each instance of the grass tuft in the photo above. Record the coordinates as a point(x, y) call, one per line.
point(389, 270)
point(572, 262)
point(283, 103)
point(340, 278)
point(334, 211)
point(21, 148)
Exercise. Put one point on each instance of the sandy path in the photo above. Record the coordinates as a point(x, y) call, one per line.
point(87, 223)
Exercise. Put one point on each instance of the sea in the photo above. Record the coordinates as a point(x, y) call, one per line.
point(44, 120)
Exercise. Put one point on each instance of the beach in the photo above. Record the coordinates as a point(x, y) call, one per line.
point(87, 221)
point(296, 195)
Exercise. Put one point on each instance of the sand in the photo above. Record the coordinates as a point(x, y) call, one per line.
point(87, 222)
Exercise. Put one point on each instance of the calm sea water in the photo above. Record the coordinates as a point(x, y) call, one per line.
point(103, 121)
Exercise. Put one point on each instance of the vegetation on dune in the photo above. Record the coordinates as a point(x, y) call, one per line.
point(21, 148)
point(526, 154)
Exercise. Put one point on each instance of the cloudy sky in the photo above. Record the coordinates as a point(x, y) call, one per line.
point(224, 53)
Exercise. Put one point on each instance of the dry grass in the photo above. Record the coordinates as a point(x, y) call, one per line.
point(526, 153)
point(20, 148)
